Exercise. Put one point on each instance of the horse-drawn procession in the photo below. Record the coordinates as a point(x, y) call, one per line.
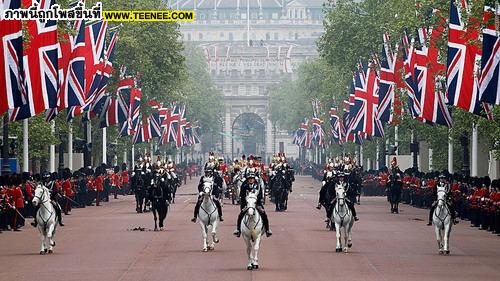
point(249, 183)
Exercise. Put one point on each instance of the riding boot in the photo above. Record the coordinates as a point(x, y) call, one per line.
point(329, 212)
point(219, 209)
point(353, 210)
point(196, 210)
point(237, 232)
point(433, 207)
point(265, 221)
point(453, 213)
point(34, 223)
point(57, 208)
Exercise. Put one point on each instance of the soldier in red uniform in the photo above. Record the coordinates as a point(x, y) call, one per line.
point(91, 190)
point(68, 194)
point(99, 187)
point(125, 180)
point(115, 182)
point(17, 203)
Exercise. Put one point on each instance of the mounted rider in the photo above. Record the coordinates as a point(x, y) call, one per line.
point(327, 188)
point(210, 176)
point(49, 181)
point(443, 186)
point(251, 185)
point(341, 181)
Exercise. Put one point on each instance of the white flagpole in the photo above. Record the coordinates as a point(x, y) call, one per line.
point(104, 146)
point(52, 155)
point(70, 146)
point(25, 146)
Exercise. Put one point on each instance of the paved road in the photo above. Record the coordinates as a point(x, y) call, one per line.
point(96, 244)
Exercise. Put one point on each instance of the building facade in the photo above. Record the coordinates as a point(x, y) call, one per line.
point(249, 46)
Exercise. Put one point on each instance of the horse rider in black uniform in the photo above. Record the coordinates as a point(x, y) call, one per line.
point(248, 186)
point(328, 184)
point(443, 184)
point(216, 192)
point(350, 204)
point(49, 182)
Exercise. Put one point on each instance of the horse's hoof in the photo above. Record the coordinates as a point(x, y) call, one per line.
point(349, 245)
point(249, 267)
point(46, 250)
point(216, 241)
point(441, 252)
point(53, 244)
point(447, 252)
point(205, 249)
point(50, 251)
point(161, 228)
point(255, 266)
point(338, 250)
point(156, 229)
point(42, 253)
point(345, 250)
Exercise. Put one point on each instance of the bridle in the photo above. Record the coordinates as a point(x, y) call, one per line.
point(41, 196)
point(440, 208)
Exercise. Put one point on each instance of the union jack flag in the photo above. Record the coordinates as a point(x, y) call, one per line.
point(411, 86)
point(155, 125)
point(94, 59)
point(128, 127)
point(463, 60)
point(364, 113)
point(11, 66)
point(107, 64)
point(181, 124)
point(428, 72)
point(142, 131)
point(489, 90)
point(188, 135)
point(301, 135)
point(40, 65)
point(115, 111)
point(387, 81)
point(169, 117)
point(196, 134)
point(335, 123)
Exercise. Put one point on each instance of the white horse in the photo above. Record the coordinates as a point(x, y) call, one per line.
point(342, 217)
point(208, 216)
point(45, 218)
point(252, 229)
point(442, 223)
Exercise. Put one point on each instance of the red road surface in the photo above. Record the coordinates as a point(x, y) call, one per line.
point(96, 244)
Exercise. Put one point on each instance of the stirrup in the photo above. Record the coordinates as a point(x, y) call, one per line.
point(61, 223)
point(269, 233)
point(429, 223)
point(356, 219)
point(237, 233)
point(193, 219)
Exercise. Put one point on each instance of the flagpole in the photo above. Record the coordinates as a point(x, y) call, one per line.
point(377, 159)
point(5, 149)
point(52, 155)
point(361, 156)
point(474, 169)
point(450, 154)
point(396, 138)
point(87, 162)
point(70, 145)
point(104, 146)
point(25, 146)
point(133, 157)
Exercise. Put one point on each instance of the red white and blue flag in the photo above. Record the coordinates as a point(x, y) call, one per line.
point(11, 64)
point(40, 65)
point(489, 90)
point(169, 119)
point(387, 81)
point(463, 60)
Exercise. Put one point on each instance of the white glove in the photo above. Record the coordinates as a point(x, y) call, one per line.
point(201, 193)
point(323, 183)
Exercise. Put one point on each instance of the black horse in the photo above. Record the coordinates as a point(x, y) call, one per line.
point(394, 189)
point(159, 195)
point(174, 184)
point(280, 191)
point(139, 188)
point(327, 198)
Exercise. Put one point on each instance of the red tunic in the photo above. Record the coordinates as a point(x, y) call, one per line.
point(99, 183)
point(115, 179)
point(90, 184)
point(68, 190)
point(125, 176)
point(17, 197)
point(29, 191)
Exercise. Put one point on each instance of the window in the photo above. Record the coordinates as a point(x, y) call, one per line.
point(230, 36)
point(268, 36)
point(200, 36)
point(222, 35)
point(189, 37)
point(296, 36)
point(276, 36)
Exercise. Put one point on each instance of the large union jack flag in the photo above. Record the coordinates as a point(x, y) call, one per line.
point(463, 60)
point(364, 113)
point(128, 127)
point(142, 131)
point(335, 123)
point(40, 65)
point(490, 62)
point(169, 119)
point(429, 78)
point(94, 59)
point(411, 86)
point(11, 66)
